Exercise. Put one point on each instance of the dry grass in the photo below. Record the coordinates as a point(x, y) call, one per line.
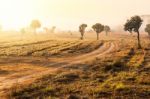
point(102, 79)
point(119, 74)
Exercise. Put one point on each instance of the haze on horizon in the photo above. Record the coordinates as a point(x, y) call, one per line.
point(68, 14)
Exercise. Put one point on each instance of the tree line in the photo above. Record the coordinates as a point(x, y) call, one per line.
point(35, 24)
point(132, 25)
point(98, 28)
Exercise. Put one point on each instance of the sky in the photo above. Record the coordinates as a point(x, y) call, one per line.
point(69, 14)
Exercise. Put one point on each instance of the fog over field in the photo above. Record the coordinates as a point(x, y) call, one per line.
point(74, 49)
point(68, 14)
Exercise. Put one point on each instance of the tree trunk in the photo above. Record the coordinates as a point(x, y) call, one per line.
point(35, 34)
point(131, 33)
point(34, 30)
point(82, 34)
point(139, 42)
point(106, 33)
point(97, 36)
point(22, 36)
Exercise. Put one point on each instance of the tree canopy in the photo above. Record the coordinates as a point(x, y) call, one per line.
point(106, 29)
point(82, 28)
point(134, 24)
point(35, 24)
point(147, 29)
point(98, 28)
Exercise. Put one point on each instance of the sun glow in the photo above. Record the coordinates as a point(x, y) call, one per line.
point(15, 14)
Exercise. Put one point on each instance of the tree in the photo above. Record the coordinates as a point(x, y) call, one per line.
point(147, 29)
point(98, 28)
point(46, 30)
point(134, 24)
point(82, 28)
point(53, 29)
point(106, 29)
point(35, 24)
point(128, 26)
point(22, 31)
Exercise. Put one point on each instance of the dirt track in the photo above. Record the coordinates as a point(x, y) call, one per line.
point(52, 64)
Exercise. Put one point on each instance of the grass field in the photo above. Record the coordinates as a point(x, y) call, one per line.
point(60, 68)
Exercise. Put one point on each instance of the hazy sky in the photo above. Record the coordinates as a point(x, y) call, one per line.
point(68, 14)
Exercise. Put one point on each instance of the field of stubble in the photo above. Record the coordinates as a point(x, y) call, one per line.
point(65, 68)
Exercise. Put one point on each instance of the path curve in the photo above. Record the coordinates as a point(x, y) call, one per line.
point(100, 52)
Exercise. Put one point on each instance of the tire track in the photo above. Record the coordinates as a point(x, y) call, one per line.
point(31, 49)
point(145, 66)
point(28, 44)
point(100, 52)
point(64, 45)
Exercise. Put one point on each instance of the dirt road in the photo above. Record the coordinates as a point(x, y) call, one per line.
point(50, 65)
